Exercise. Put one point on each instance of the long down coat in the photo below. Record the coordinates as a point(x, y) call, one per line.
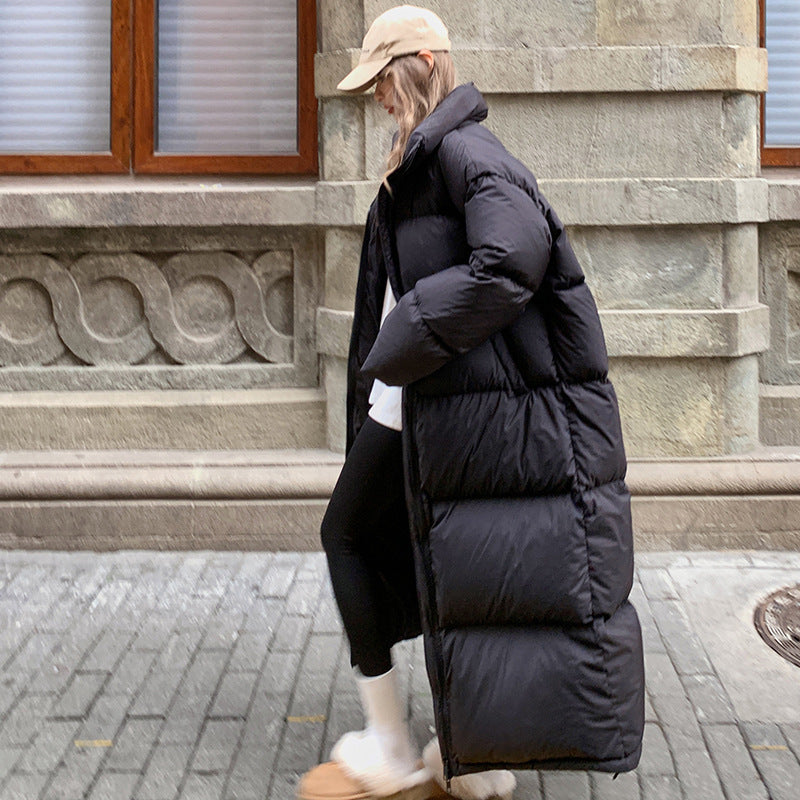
point(518, 512)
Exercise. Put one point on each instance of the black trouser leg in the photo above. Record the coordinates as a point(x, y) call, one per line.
point(364, 527)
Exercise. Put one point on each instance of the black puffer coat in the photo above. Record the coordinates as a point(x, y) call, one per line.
point(514, 462)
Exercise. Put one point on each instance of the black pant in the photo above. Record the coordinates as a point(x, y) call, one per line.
point(367, 543)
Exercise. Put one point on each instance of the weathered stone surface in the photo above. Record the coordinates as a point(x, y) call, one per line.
point(340, 24)
point(618, 135)
point(160, 420)
point(675, 333)
point(779, 415)
point(657, 21)
point(780, 284)
point(343, 133)
point(687, 406)
point(335, 381)
point(545, 68)
point(342, 255)
point(658, 267)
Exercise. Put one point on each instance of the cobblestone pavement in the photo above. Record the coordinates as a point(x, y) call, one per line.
point(210, 675)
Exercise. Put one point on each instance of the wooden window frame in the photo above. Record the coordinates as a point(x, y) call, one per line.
point(772, 156)
point(133, 111)
point(118, 158)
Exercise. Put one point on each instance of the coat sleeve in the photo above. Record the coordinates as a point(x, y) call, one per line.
point(453, 310)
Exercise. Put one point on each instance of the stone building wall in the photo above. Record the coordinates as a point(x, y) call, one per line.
point(174, 350)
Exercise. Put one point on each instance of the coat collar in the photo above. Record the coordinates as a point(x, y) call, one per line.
point(464, 104)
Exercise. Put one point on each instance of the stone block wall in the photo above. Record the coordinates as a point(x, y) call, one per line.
point(640, 121)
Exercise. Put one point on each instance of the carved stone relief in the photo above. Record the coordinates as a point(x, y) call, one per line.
point(127, 308)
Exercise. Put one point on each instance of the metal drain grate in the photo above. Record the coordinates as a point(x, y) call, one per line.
point(777, 620)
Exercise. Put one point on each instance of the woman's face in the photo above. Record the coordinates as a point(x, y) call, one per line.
point(384, 92)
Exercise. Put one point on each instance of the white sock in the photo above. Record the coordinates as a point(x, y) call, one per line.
point(385, 715)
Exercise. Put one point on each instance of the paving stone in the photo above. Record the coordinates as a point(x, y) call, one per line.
point(624, 787)
point(660, 675)
point(105, 718)
point(9, 756)
point(108, 650)
point(656, 758)
point(678, 721)
point(24, 787)
point(222, 631)
point(528, 785)
point(179, 649)
point(130, 674)
point(566, 785)
point(156, 634)
point(682, 643)
point(264, 725)
point(133, 744)
point(250, 650)
point(203, 787)
point(284, 786)
point(250, 776)
point(281, 671)
point(47, 749)
point(663, 787)
point(156, 694)
point(264, 614)
point(291, 633)
point(303, 597)
point(278, 580)
point(709, 698)
point(234, 694)
point(311, 696)
point(696, 772)
point(776, 762)
point(346, 715)
point(184, 724)
point(327, 618)
point(792, 735)
point(114, 786)
point(34, 653)
point(301, 747)
point(734, 765)
point(657, 584)
point(25, 719)
point(165, 772)
point(218, 743)
point(320, 653)
point(80, 695)
point(204, 675)
point(73, 777)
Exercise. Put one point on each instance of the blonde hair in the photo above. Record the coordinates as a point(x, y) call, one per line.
point(417, 92)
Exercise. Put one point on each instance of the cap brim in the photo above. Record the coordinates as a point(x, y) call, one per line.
point(363, 76)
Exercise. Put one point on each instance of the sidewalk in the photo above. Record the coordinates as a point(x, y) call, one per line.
point(216, 676)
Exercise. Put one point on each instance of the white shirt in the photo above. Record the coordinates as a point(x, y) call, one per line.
point(386, 402)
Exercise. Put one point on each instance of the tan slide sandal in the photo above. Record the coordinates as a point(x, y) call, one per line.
point(329, 782)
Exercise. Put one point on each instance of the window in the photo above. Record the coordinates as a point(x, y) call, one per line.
point(780, 106)
point(158, 86)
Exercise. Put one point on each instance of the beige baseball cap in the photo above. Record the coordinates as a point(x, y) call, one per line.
point(397, 32)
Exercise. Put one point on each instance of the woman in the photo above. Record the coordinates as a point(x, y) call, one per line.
point(482, 500)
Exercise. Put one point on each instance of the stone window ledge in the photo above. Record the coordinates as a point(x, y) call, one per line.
point(33, 201)
point(784, 193)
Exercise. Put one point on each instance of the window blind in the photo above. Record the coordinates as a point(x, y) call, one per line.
point(227, 77)
point(782, 103)
point(55, 76)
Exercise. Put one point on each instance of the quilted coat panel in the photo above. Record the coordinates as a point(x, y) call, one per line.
point(534, 459)
point(560, 671)
point(510, 561)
